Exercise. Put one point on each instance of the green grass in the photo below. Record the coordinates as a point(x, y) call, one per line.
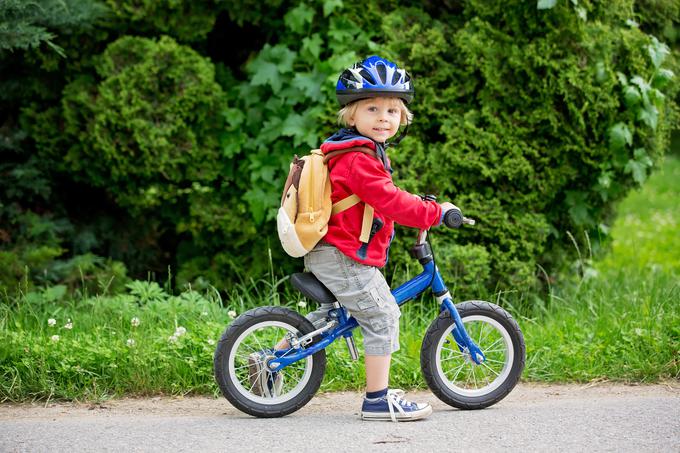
point(621, 323)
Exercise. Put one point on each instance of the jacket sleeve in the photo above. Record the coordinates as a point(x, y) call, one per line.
point(370, 181)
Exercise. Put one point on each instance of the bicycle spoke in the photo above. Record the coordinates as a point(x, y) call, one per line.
point(493, 345)
point(258, 343)
point(495, 361)
point(455, 351)
point(486, 351)
point(481, 331)
point(243, 356)
point(490, 369)
point(486, 336)
point(456, 359)
point(457, 370)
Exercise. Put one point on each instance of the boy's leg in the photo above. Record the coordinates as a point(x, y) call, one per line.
point(377, 372)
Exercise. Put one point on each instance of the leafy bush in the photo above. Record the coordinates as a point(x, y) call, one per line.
point(184, 20)
point(534, 120)
point(527, 125)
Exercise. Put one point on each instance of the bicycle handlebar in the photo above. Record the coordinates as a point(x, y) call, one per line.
point(453, 218)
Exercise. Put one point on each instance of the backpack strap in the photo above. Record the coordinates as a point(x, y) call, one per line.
point(345, 204)
point(367, 220)
point(366, 224)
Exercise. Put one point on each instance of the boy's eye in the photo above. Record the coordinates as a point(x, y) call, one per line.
point(372, 108)
point(393, 111)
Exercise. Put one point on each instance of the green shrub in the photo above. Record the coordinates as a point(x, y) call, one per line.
point(526, 122)
point(182, 19)
point(534, 121)
point(146, 128)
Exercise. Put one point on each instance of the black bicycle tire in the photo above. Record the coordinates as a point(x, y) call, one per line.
point(442, 326)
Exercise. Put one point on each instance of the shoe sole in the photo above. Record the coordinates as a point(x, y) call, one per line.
point(417, 415)
point(254, 372)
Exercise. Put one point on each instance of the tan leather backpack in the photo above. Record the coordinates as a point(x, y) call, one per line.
point(306, 207)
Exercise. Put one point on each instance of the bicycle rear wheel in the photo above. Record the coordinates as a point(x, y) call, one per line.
point(451, 373)
point(240, 364)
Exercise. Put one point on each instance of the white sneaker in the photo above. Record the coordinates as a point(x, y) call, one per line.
point(262, 381)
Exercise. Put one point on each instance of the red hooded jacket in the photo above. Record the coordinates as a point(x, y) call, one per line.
point(368, 177)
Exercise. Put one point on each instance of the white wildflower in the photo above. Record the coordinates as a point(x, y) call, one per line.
point(205, 313)
point(130, 342)
point(172, 338)
point(211, 342)
point(68, 325)
point(180, 331)
point(55, 338)
point(51, 322)
point(134, 321)
point(232, 314)
point(302, 304)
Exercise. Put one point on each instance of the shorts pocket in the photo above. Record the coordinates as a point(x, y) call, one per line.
point(372, 301)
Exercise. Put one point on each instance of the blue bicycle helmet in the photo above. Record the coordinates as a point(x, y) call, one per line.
point(373, 77)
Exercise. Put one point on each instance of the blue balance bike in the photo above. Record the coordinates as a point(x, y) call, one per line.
point(271, 360)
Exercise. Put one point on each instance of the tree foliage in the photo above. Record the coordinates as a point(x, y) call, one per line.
point(534, 117)
point(27, 25)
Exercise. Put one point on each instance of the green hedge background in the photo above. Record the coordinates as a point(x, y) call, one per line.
point(153, 137)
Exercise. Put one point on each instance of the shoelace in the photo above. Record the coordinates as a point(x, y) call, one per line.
point(395, 398)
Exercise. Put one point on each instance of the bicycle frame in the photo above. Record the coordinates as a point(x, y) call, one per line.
point(430, 277)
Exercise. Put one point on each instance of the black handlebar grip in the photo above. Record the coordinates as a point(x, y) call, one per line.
point(453, 218)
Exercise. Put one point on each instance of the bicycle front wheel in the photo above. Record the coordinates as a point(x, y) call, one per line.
point(240, 363)
point(451, 373)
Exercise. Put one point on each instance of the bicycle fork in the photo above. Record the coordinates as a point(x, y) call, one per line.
point(465, 344)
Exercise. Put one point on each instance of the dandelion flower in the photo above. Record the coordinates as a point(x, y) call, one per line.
point(68, 325)
point(172, 339)
point(302, 304)
point(232, 314)
point(130, 342)
point(55, 338)
point(51, 322)
point(211, 342)
point(180, 331)
point(134, 321)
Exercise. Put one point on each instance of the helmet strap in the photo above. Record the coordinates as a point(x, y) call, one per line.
point(398, 140)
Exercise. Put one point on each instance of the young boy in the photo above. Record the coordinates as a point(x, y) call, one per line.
point(373, 95)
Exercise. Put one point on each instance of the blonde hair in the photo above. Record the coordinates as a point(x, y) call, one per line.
point(348, 111)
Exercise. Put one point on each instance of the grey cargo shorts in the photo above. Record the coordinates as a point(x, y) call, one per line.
point(363, 291)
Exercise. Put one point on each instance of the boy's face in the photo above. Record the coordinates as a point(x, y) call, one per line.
point(377, 118)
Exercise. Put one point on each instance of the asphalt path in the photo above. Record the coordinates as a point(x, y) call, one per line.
point(592, 417)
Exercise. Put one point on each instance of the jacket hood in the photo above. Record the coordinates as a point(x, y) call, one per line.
point(350, 138)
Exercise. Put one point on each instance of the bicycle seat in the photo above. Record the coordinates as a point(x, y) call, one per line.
point(312, 288)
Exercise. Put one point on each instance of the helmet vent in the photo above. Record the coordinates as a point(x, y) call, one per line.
point(367, 76)
point(382, 73)
point(396, 77)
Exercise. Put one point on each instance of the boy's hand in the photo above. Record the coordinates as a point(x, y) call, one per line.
point(446, 206)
